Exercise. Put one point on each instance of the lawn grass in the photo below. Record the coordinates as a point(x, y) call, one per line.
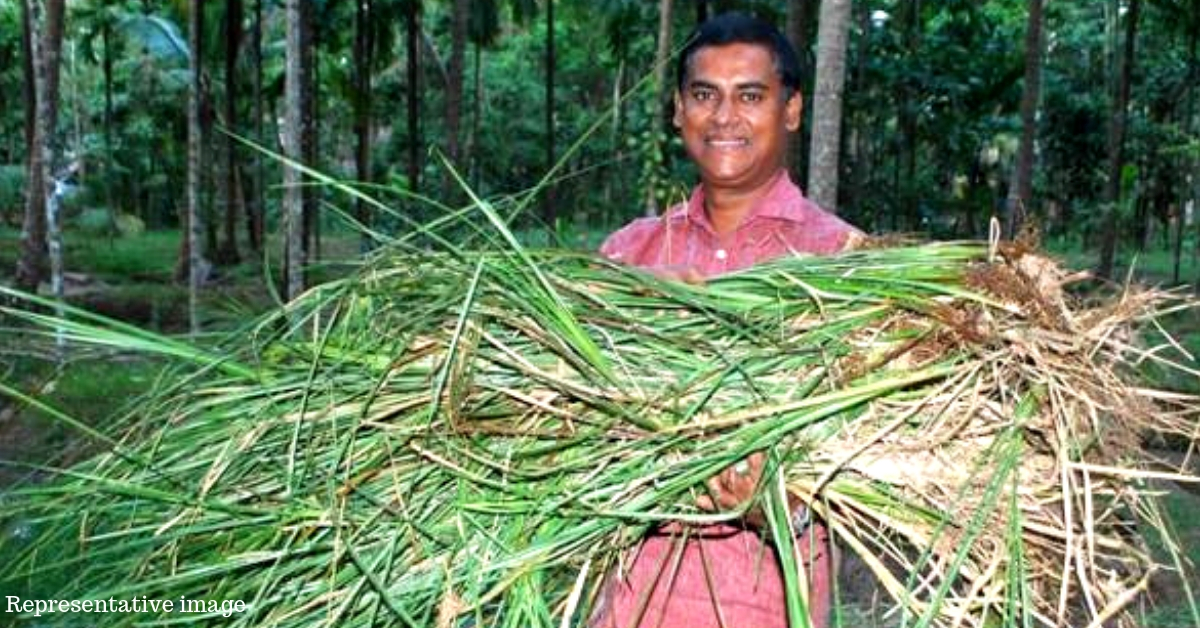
point(1155, 266)
point(91, 390)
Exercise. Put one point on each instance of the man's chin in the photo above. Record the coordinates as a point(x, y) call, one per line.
point(727, 178)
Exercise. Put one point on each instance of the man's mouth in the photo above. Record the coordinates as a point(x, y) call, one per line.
point(727, 142)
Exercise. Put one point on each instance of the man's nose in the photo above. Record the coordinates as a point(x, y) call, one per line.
point(725, 111)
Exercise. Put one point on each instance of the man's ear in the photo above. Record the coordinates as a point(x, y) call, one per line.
point(677, 119)
point(793, 108)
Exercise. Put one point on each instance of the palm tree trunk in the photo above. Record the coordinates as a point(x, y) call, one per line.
point(412, 18)
point(42, 33)
point(43, 137)
point(1191, 189)
point(1116, 144)
point(832, 34)
point(1020, 192)
point(550, 202)
point(660, 92)
point(293, 200)
point(195, 162)
point(255, 217)
point(476, 117)
point(454, 89)
point(106, 40)
point(309, 130)
point(909, 123)
point(364, 47)
point(31, 265)
point(233, 40)
point(798, 17)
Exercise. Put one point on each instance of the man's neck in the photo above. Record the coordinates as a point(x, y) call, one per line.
point(726, 208)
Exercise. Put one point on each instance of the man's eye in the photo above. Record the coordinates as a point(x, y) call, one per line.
point(702, 94)
point(751, 97)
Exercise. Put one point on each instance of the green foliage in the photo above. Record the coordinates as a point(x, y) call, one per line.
point(12, 193)
point(941, 88)
point(150, 255)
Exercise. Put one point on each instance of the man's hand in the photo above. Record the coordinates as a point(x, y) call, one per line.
point(732, 488)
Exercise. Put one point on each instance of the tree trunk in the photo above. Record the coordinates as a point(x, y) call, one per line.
point(833, 31)
point(44, 132)
point(42, 35)
point(233, 39)
point(309, 130)
point(254, 218)
point(106, 171)
point(476, 118)
point(364, 52)
point(798, 17)
point(293, 199)
point(550, 202)
point(1116, 144)
point(1020, 192)
point(1191, 189)
point(661, 92)
point(31, 265)
point(412, 19)
point(454, 89)
point(701, 11)
point(907, 158)
point(195, 162)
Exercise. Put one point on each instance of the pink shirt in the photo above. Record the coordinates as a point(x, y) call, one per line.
point(726, 575)
point(783, 222)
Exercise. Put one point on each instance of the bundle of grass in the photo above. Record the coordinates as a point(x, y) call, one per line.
point(473, 440)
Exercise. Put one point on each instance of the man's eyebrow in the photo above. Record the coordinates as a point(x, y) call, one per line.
point(758, 85)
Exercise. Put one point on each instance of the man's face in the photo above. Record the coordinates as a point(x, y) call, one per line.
point(733, 116)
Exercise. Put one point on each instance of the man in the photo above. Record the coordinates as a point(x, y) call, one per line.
point(737, 98)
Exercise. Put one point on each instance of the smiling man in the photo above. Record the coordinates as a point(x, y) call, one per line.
point(737, 99)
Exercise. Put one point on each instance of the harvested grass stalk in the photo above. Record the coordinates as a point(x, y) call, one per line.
point(448, 440)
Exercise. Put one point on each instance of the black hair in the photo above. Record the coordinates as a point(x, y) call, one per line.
point(740, 28)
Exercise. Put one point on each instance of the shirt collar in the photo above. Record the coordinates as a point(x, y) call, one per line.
point(779, 202)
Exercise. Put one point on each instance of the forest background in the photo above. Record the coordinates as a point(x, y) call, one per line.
point(1079, 114)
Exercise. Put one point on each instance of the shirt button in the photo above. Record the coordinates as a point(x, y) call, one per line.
point(721, 254)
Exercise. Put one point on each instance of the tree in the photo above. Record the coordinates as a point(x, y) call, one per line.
point(798, 17)
point(362, 105)
point(832, 32)
point(550, 202)
point(1021, 189)
point(195, 163)
point(659, 99)
point(228, 253)
point(909, 120)
point(254, 217)
point(412, 24)
point(1116, 143)
point(293, 200)
point(310, 133)
point(454, 89)
point(43, 23)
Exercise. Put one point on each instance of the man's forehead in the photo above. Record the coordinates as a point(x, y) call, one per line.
point(738, 63)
